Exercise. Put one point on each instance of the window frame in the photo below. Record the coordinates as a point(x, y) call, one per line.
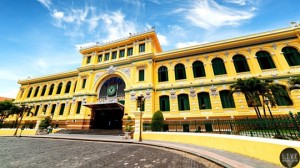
point(265, 60)
point(218, 66)
point(164, 103)
point(205, 97)
point(198, 69)
point(183, 102)
point(240, 63)
point(163, 74)
point(227, 99)
point(180, 72)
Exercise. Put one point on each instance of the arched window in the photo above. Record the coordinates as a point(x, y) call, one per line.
point(75, 86)
point(227, 99)
point(291, 55)
point(282, 99)
point(198, 69)
point(44, 90)
point(162, 74)
point(204, 100)
point(218, 66)
point(51, 89)
point(68, 86)
point(29, 92)
point(164, 103)
point(59, 88)
point(265, 61)
point(183, 102)
point(240, 63)
point(180, 72)
point(36, 91)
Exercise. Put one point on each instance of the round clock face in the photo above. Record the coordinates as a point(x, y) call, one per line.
point(111, 90)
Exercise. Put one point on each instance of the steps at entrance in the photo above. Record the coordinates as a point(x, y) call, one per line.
point(93, 132)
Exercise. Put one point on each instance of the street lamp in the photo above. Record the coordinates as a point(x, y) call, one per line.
point(140, 103)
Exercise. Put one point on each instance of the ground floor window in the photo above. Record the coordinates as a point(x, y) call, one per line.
point(183, 102)
point(164, 103)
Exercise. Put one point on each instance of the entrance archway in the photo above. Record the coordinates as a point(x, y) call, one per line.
point(108, 112)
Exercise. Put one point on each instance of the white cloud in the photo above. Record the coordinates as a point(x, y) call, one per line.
point(188, 43)
point(58, 14)
point(137, 3)
point(162, 39)
point(8, 75)
point(45, 3)
point(208, 14)
point(239, 2)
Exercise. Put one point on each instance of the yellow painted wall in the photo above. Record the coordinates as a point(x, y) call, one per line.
point(261, 148)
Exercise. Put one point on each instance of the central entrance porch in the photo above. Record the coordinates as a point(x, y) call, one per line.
point(106, 115)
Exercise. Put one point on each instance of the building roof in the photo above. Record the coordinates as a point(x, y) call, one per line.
point(5, 98)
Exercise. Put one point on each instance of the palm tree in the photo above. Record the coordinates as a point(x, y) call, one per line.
point(20, 111)
point(294, 83)
point(249, 88)
point(5, 109)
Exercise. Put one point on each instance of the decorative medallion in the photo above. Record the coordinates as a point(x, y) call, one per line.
point(126, 71)
point(192, 92)
point(132, 95)
point(148, 94)
point(111, 69)
point(173, 94)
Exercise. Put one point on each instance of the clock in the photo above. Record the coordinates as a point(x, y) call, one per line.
point(111, 90)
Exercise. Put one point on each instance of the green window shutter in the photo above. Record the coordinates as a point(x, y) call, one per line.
point(53, 109)
point(44, 90)
point(164, 103)
point(265, 61)
point(198, 69)
point(114, 55)
point(180, 72)
point(291, 55)
point(183, 102)
point(218, 66)
point(51, 89)
point(62, 109)
point(204, 100)
point(88, 59)
point(122, 53)
point(162, 74)
point(240, 63)
point(129, 51)
point(83, 83)
point(59, 88)
point(36, 110)
point(78, 107)
point(99, 58)
point(142, 47)
point(36, 91)
point(141, 75)
point(226, 99)
point(106, 57)
point(68, 86)
point(29, 92)
point(282, 99)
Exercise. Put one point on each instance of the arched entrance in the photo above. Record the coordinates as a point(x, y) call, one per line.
point(108, 112)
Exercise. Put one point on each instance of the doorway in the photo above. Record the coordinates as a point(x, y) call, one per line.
point(108, 119)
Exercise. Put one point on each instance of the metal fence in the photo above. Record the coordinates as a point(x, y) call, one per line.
point(281, 127)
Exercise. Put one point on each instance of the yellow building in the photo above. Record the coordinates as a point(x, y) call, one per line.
point(186, 84)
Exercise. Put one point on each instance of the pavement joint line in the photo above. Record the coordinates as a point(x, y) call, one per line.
point(217, 159)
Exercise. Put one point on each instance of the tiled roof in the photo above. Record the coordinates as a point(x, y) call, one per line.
point(5, 98)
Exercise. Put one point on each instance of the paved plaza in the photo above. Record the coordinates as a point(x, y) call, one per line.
point(35, 152)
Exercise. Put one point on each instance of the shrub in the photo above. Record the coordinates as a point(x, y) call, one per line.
point(157, 121)
point(128, 124)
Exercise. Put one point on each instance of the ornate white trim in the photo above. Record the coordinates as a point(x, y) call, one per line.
point(111, 69)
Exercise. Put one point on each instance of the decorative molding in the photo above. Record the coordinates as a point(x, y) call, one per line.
point(111, 69)
point(126, 71)
point(274, 46)
point(132, 95)
point(148, 94)
point(192, 92)
point(249, 50)
point(213, 90)
point(97, 76)
point(173, 94)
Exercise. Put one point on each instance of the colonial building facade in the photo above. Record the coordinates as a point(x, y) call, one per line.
point(186, 84)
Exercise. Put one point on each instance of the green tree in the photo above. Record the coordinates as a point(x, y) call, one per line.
point(5, 107)
point(45, 123)
point(20, 111)
point(157, 121)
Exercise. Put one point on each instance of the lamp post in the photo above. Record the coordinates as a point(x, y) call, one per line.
point(140, 103)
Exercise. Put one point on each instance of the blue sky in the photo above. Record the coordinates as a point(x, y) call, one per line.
point(41, 37)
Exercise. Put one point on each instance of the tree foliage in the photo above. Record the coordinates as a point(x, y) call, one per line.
point(45, 123)
point(157, 121)
point(5, 107)
point(294, 83)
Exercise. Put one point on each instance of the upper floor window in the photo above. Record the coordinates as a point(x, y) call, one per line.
point(51, 89)
point(75, 86)
point(37, 107)
point(183, 102)
point(99, 58)
point(36, 91)
point(180, 72)
point(164, 103)
point(240, 63)
point(141, 75)
point(198, 69)
point(44, 90)
point(59, 88)
point(29, 92)
point(265, 61)
point(291, 55)
point(83, 83)
point(204, 101)
point(129, 51)
point(114, 55)
point(106, 57)
point(218, 66)
point(162, 74)
point(122, 53)
point(68, 86)
point(227, 99)
point(88, 59)
point(142, 47)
